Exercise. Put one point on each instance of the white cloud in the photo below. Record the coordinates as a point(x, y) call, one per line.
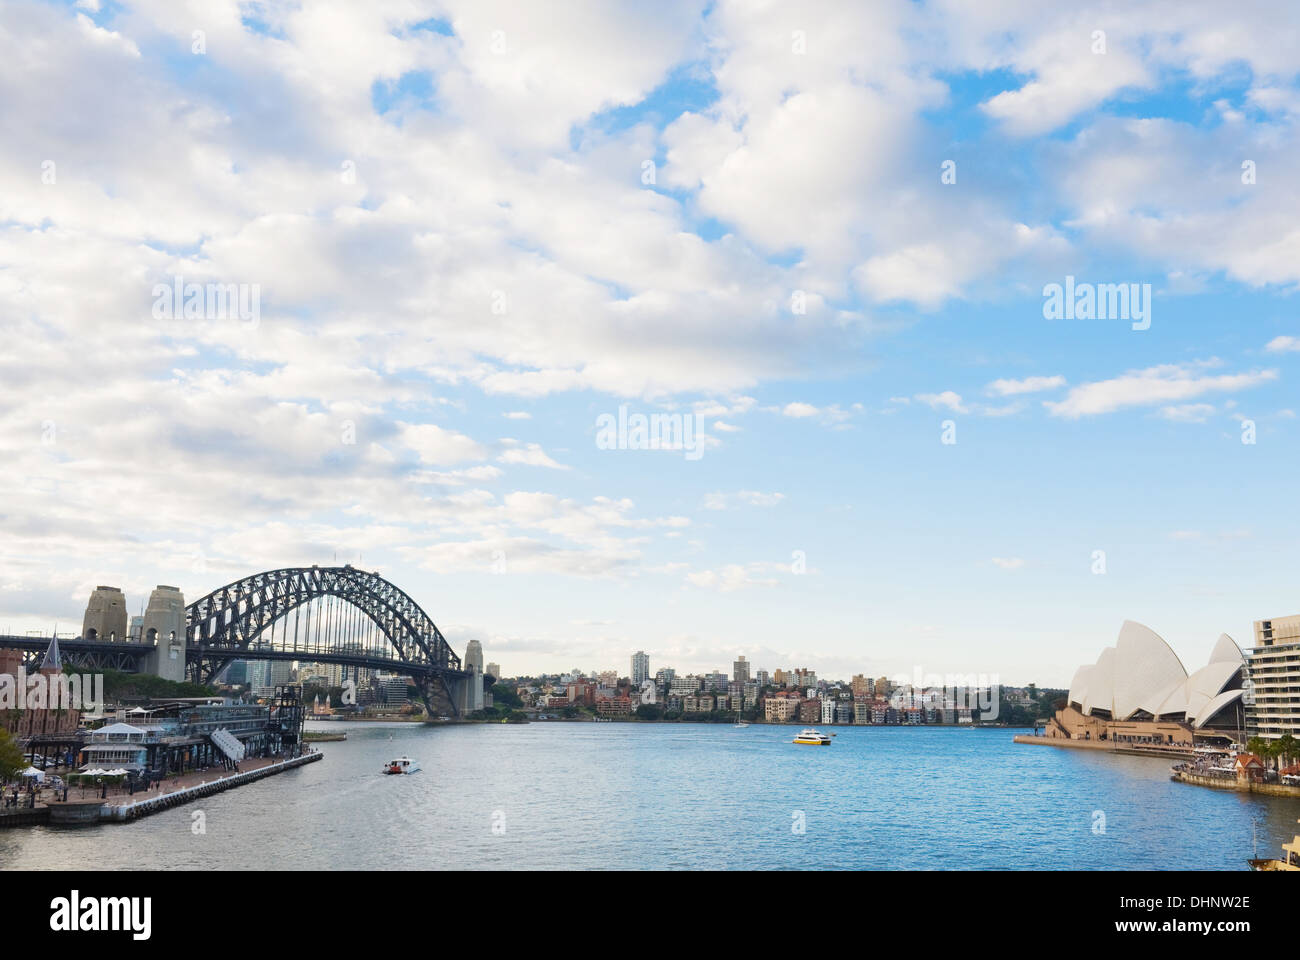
point(1011, 388)
point(1284, 344)
point(947, 399)
point(752, 498)
point(1153, 385)
point(531, 455)
point(1009, 563)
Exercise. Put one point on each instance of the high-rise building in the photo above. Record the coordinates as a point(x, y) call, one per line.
point(494, 669)
point(664, 676)
point(740, 670)
point(640, 668)
point(472, 697)
point(763, 678)
point(1273, 667)
point(863, 688)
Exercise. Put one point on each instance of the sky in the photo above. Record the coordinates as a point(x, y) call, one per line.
point(468, 233)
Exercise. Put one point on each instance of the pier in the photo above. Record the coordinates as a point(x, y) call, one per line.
point(121, 808)
point(1110, 746)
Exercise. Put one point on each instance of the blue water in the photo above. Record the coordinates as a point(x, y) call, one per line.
point(655, 796)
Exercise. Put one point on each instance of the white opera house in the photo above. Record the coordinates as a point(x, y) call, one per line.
point(1139, 693)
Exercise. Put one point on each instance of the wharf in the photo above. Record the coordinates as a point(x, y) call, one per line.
point(1108, 746)
point(1235, 783)
point(120, 807)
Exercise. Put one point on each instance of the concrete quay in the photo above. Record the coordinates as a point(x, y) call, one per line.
point(1108, 746)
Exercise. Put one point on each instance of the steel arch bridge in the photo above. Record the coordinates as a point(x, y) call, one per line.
point(353, 618)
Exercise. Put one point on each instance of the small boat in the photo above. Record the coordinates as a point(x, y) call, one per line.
point(401, 765)
point(740, 721)
point(810, 736)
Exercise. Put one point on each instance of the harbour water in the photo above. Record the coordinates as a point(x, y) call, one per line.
point(703, 796)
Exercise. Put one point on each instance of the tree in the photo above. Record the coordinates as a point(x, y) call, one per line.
point(1289, 748)
point(11, 757)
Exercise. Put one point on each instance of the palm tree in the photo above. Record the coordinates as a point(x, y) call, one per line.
point(1289, 748)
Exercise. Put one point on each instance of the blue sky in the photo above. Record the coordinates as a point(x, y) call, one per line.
point(463, 261)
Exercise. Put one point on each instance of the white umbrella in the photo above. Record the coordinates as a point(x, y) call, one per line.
point(33, 772)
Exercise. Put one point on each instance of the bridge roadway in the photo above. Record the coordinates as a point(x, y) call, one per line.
point(125, 655)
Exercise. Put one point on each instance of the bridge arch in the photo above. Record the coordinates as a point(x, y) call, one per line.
point(225, 624)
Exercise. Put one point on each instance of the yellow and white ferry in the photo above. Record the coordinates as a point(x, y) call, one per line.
point(814, 737)
point(1291, 851)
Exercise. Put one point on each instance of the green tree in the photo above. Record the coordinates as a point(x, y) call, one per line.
point(1289, 748)
point(505, 696)
point(11, 757)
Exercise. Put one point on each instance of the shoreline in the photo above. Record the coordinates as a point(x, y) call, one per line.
point(1107, 747)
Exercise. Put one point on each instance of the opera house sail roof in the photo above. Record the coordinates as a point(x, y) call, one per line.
point(1141, 676)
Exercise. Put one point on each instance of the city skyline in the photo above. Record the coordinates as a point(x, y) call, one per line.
point(850, 277)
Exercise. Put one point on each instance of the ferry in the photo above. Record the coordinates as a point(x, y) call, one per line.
point(401, 765)
point(811, 736)
point(1292, 862)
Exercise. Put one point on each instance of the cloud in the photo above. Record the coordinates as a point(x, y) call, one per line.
point(1284, 344)
point(1011, 388)
point(531, 455)
point(1151, 386)
point(948, 399)
point(1009, 563)
point(1188, 412)
point(752, 498)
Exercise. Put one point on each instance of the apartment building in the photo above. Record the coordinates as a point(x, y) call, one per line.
point(1273, 666)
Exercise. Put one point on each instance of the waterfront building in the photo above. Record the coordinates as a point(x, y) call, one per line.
point(174, 736)
point(1139, 693)
point(684, 685)
point(49, 720)
point(1274, 671)
point(236, 673)
point(828, 711)
point(861, 712)
point(640, 668)
point(392, 689)
point(810, 711)
point(105, 617)
point(615, 706)
point(740, 670)
point(780, 709)
point(581, 692)
point(472, 689)
point(844, 711)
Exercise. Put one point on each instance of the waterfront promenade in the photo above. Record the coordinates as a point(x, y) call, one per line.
point(120, 804)
point(1109, 746)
